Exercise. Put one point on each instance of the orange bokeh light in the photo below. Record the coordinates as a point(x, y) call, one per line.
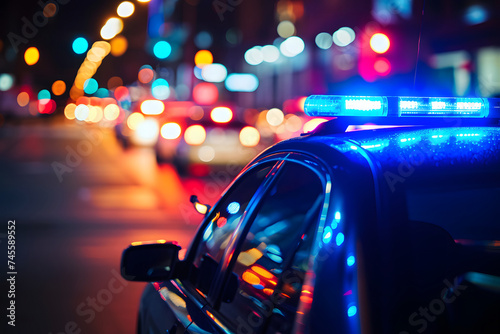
point(203, 57)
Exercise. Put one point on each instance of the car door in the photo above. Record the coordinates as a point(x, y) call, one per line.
point(256, 282)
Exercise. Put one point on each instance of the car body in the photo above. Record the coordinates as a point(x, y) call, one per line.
point(391, 230)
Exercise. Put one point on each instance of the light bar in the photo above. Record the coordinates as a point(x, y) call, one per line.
point(392, 106)
point(336, 105)
point(443, 107)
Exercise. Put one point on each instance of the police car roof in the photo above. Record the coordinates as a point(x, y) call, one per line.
point(435, 151)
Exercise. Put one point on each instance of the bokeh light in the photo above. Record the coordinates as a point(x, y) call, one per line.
point(292, 46)
point(324, 40)
point(205, 93)
point(125, 9)
point(241, 82)
point(195, 135)
point(49, 10)
point(58, 87)
point(160, 89)
point(82, 112)
point(254, 56)
point(203, 40)
point(90, 86)
point(6, 81)
point(46, 106)
point(270, 53)
point(114, 82)
point(146, 74)
point(80, 45)
point(162, 49)
point(249, 136)
point(196, 113)
point(31, 56)
point(112, 28)
point(170, 130)
point(69, 111)
point(221, 114)
point(344, 36)
point(286, 29)
point(214, 73)
point(121, 93)
point(111, 112)
point(23, 99)
point(119, 45)
point(202, 58)
point(275, 116)
point(152, 107)
point(134, 119)
point(382, 66)
point(380, 43)
point(44, 95)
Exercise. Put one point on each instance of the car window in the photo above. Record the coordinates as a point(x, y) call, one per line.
point(274, 255)
point(222, 221)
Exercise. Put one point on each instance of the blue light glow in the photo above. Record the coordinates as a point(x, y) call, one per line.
point(90, 86)
point(476, 14)
point(241, 82)
point(351, 311)
point(337, 105)
point(351, 260)
point(160, 89)
point(436, 106)
point(162, 49)
point(233, 207)
point(339, 240)
point(80, 45)
point(327, 235)
point(44, 95)
point(334, 105)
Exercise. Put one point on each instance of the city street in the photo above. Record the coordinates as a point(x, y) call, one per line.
point(78, 199)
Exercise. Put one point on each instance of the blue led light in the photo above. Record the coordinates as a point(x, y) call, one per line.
point(335, 105)
point(233, 207)
point(443, 107)
point(351, 260)
point(339, 239)
point(351, 311)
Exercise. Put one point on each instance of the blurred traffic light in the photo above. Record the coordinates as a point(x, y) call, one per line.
point(380, 43)
point(31, 56)
point(371, 65)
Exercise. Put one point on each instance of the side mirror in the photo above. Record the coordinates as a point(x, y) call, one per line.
point(149, 262)
point(200, 208)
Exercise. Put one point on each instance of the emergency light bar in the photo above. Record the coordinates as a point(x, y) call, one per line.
point(394, 106)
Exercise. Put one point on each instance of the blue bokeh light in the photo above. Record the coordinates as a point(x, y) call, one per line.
point(162, 49)
point(80, 45)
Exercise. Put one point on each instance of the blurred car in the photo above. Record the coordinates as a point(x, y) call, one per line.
point(387, 230)
point(197, 146)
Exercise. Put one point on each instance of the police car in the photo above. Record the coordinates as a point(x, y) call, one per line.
point(385, 230)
